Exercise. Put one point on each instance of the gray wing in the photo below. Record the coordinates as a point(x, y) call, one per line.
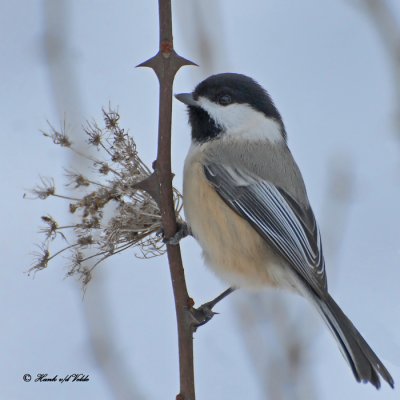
point(288, 227)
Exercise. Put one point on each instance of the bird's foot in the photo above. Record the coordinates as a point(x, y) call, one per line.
point(202, 315)
point(205, 312)
point(182, 231)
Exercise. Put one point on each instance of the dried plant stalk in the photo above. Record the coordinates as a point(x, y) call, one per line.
point(135, 216)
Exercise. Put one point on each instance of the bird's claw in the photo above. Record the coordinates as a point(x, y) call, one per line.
point(182, 231)
point(202, 315)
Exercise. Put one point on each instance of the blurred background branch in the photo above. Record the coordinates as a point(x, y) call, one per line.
point(387, 24)
point(60, 57)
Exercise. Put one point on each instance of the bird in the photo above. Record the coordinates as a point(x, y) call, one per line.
point(246, 204)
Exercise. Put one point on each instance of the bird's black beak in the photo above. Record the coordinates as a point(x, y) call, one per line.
point(187, 98)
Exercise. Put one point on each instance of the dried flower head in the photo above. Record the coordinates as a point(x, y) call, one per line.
point(59, 137)
point(44, 189)
point(135, 220)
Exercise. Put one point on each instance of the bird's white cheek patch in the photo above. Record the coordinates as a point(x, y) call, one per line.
point(242, 121)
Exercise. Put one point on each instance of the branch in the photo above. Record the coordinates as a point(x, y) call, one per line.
point(384, 19)
point(165, 64)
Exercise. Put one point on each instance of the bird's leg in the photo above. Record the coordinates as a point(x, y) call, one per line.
point(204, 313)
point(182, 231)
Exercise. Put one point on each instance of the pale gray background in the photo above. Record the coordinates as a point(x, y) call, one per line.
point(330, 76)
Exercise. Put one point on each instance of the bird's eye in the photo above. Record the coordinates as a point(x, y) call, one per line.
point(225, 99)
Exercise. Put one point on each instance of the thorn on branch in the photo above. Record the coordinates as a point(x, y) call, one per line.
point(150, 185)
point(163, 63)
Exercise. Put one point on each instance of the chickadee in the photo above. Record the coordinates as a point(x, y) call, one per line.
point(246, 204)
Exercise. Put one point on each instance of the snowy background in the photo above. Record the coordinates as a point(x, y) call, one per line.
point(332, 76)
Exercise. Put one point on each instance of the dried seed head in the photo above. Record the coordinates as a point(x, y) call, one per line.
point(104, 169)
point(94, 133)
point(85, 241)
point(41, 259)
point(45, 189)
point(76, 179)
point(111, 119)
point(51, 228)
point(135, 221)
point(59, 137)
point(73, 207)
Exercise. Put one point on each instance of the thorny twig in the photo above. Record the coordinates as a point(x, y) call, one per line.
point(166, 64)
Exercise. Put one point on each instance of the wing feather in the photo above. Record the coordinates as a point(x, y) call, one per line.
point(286, 225)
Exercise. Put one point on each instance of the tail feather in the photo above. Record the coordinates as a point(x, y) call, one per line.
point(366, 365)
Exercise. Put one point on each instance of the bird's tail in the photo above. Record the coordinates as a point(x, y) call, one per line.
point(366, 365)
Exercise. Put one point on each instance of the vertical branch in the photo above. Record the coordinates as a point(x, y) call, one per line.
point(165, 64)
point(201, 27)
point(58, 55)
point(383, 17)
point(276, 334)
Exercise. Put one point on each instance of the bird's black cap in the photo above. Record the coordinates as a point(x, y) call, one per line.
point(241, 89)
